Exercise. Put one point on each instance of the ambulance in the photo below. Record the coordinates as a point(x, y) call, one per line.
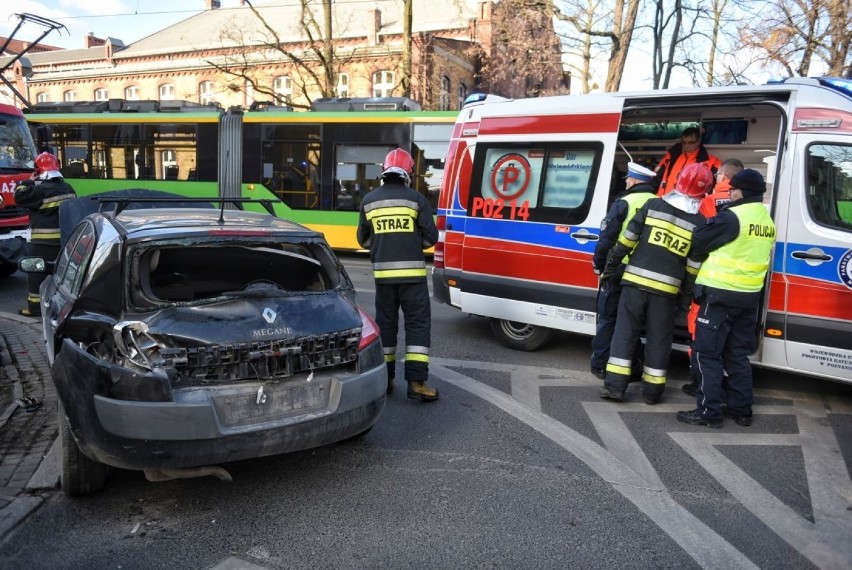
point(528, 181)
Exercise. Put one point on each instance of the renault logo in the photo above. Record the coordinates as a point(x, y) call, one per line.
point(269, 315)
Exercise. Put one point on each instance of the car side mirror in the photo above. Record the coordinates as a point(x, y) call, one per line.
point(35, 265)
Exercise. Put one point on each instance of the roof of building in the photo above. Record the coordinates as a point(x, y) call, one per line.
point(17, 46)
point(232, 27)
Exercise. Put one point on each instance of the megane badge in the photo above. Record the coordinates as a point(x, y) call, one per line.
point(269, 315)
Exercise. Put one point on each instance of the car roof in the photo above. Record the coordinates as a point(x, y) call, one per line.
point(160, 221)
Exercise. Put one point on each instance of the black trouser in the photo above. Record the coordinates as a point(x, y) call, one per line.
point(724, 339)
point(655, 312)
point(48, 251)
point(413, 298)
point(609, 294)
point(607, 311)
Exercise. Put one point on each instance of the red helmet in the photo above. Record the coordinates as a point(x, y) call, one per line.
point(694, 180)
point(45, 162)
point(400, 163)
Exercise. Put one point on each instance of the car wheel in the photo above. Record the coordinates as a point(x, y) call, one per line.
point(6, 269)
point(79, 475)
point(520, 336)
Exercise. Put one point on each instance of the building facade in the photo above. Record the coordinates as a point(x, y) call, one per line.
point(272, 53)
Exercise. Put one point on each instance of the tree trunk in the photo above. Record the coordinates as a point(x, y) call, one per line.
point(622, 31)
point(406, 49)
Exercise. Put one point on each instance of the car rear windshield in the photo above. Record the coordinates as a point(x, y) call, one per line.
point(181, 273)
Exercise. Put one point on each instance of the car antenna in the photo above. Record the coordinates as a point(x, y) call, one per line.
point(222, 198)
point(630, 158)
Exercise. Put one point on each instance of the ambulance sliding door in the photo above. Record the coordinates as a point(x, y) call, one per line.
point(815, 258)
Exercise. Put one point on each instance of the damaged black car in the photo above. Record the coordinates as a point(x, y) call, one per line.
point(183, 338)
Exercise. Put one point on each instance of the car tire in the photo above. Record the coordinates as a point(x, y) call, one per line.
point(520, 336)
point(78, 475)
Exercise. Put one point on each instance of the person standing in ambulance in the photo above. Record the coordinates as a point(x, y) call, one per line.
point(688, 151)
point(625, 206)
point(396, 225)
point(734, 250)
point(658, 274)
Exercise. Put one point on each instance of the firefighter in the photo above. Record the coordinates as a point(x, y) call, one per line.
point(709, 206)
point(41, 196)
point(658, 239)
point(688, 151)
point(637, 192)
point(735, 248)
point(396, 225)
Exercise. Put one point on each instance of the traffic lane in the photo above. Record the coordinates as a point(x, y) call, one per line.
point(456, 483)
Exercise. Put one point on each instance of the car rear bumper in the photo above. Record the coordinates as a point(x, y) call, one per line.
point(218, 424)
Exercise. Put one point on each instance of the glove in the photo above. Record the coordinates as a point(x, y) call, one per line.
point(684, 302)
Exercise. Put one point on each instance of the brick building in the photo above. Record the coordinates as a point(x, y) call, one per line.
point(239, 55)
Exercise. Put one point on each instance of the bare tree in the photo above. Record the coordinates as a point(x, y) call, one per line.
point(623, 24)
point(589, 36)
point(525, 60)
point(314, 57)
point(796, 33)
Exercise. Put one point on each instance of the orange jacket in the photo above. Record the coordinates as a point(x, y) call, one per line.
point(674, 161)
point(711, 202)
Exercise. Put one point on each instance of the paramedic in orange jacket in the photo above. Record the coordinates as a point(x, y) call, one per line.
point(688, 151)
point(709, 206)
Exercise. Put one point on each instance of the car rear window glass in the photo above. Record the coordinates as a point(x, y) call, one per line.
point(175, 273)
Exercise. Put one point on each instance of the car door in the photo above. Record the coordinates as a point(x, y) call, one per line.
point(815, 258)
point(60, 290)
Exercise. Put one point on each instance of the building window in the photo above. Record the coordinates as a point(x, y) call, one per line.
point(462, 92)
point(69, 95)
point(101, 95)
point(42, 98)
point(283, 88)
point(343, 85)
point(167, 92)
point(131, 93)
point(205, 92)
point(444, 104)
point(383, 83)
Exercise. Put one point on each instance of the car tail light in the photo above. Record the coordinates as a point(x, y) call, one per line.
point(438, 255)
point(369, 330)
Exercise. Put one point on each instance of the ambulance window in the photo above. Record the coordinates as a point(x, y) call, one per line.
point(546, 183)
point(830, 185)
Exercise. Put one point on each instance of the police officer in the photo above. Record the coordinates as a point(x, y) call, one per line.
point(735, 248)
point(396, 225)
point(41, 196)
point(638, 191)
point(658, 239)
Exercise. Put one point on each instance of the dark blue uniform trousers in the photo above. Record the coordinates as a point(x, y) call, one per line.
point(724, 339)
point(413, 299)
point(609, 294)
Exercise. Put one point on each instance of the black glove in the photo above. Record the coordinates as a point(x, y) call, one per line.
point(23, 184)
point(684, 302)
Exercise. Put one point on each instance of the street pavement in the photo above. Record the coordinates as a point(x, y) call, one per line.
point(26, 437)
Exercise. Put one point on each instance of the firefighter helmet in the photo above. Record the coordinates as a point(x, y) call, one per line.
point(694, 180)
point(45, 162)
point(399, 163)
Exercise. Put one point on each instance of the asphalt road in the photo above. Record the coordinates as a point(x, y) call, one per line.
point(519, 465)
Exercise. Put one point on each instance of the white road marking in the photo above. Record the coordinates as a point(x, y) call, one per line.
point(623, 463)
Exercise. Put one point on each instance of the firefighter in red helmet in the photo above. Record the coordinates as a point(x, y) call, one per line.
point(656, 282)
point(41, 197)
point(396, 225)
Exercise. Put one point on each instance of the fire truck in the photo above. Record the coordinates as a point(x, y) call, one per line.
point(527, 183)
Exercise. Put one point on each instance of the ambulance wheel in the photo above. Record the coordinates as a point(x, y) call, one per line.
point(520, 336)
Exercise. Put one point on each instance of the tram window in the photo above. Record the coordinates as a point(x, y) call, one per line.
point(429, 149)
point(357, 171)
point(70, 142)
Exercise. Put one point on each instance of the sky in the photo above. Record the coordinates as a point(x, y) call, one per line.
point(127, 20)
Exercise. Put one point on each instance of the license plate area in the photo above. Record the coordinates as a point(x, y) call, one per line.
point(272, 403)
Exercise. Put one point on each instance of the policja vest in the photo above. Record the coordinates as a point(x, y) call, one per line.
point(741, 264)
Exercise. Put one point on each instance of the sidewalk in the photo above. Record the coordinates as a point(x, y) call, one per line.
point(25, 437)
